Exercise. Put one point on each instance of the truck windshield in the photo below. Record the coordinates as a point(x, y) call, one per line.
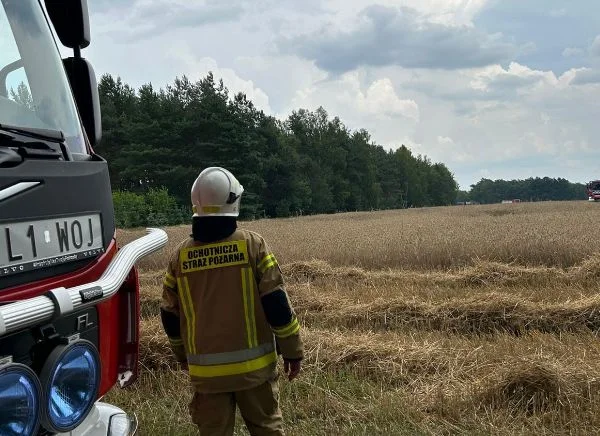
point(34, 90)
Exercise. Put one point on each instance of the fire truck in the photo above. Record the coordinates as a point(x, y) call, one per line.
point(69, 295)
point(593, 190)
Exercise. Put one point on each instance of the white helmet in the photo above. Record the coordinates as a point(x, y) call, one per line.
point(216, 192)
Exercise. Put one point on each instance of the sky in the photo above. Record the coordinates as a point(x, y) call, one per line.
point(499, 89)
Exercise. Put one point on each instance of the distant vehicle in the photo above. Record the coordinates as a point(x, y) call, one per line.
point(593, 190)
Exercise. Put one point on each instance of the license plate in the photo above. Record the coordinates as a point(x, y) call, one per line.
point(31, 245)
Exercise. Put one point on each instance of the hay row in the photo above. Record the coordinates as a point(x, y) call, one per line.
point(481, 274)
point(485, 314)
point(401, 358)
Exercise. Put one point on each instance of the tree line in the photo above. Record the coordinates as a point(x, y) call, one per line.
point(531, 189)
point(309, 163)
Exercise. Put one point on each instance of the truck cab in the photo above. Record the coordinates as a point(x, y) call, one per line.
point(69, 295)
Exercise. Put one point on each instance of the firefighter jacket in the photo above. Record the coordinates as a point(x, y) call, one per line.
point(226, 312)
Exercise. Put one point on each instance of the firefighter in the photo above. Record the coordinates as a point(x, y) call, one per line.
point(227, 315)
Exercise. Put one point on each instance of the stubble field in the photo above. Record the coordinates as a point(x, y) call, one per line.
point(457, 320)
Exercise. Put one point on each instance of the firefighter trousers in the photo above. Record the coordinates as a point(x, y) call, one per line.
point(214, 414)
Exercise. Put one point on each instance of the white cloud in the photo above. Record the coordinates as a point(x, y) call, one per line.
point(582, 76)
point(515, 77)
point(362, 103)
point(382, 35)
point(448, 12)
point(381, 100)
point(537, 142)
point(571, 52)
point(497, 114)
point(200, 67)
point(150, 18)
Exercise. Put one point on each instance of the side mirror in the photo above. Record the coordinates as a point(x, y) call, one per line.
point(71, 21)
point(85, 89)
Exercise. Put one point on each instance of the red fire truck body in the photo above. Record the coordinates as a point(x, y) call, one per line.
point(69, 295)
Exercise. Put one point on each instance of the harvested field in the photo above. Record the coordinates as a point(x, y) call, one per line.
point(458, 320)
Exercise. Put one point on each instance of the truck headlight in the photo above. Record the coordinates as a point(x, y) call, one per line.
point(19, 400)
point(70, 379)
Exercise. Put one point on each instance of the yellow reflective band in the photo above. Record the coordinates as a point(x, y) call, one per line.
point(267, 262)
point(233, 368)
point(265, 259)
point(295, 330)
point(248, 289)
point(291, 329)
point(169, 281)
point(286, 327)
point(207, 209)
point(227, 357)
point(251, 291)
point(193, 313)
point(212, 256)
point(246, 308)
point(188, 310)
point(269, 265)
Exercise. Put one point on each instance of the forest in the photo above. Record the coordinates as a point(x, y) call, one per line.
point(309, 163)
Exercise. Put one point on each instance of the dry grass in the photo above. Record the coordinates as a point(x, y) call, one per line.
point(461, 320)
point(549, 234)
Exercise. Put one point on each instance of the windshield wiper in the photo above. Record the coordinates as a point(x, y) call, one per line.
point(30, 142)
point(34, 132)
